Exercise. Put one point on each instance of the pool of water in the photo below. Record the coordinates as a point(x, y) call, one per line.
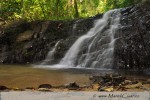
point(23, 76)
point(26, 76)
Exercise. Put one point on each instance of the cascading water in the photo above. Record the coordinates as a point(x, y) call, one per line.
point(94, 49)
point(50, 55)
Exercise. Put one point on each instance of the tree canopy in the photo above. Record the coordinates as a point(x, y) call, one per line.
point(57, 9)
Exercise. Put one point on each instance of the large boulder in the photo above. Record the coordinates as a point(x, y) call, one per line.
point(132, 48)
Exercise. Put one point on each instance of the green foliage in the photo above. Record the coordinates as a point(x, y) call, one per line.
point(57, 9)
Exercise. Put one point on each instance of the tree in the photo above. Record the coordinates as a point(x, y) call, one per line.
point(58, 9)
point(76, 9)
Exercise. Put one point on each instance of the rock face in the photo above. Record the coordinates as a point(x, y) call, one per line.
point(132, 49)
point(29, 42)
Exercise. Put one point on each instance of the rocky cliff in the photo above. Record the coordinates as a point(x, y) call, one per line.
point(132, 49)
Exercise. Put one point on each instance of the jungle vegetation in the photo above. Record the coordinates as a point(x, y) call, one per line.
point(57, 9)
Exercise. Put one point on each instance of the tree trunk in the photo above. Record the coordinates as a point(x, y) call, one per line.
point(76, 9)
point(57, 8)
point(23, 8)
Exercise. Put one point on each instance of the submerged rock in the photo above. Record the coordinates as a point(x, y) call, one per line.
point(72, 86)
point(95, 79)
point(46, 86)
point(3, 88)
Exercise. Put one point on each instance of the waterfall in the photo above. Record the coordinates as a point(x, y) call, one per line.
point(96, 48)
point(50, 55)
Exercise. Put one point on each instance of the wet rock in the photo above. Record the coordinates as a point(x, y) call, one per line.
point(138, 85)
point(121, 87)
point(111, 82)
point(146, 81)
point(30, 88)
point(95, 79)
point(17, 89)
point(25, 36)
point(134, 82)
point(72, 86)
point(106, 89)
point(108, 79)
point(126, 82)
point(109, 89)
point(95, 86)
point(101, 88)
point(46, 86)
point(3, 88)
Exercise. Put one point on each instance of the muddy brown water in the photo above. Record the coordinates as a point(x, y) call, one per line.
point(22, 76)
point(26, 76)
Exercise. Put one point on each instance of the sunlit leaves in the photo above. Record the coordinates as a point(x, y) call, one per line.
point(57, 9)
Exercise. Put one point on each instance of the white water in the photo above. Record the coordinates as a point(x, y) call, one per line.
point(94, 49)
point(50, 55)
point(101, 56)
